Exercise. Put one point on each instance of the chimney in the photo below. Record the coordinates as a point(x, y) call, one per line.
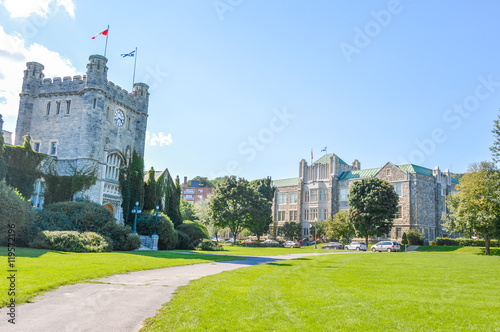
point(185, 181)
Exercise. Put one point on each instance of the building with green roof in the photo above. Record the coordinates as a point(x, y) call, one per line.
point(322, 189)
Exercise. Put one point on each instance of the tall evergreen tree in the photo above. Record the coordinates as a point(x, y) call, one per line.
point(132, 185)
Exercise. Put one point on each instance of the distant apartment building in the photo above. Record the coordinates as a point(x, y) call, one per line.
point(322, 189)
point(195, 192)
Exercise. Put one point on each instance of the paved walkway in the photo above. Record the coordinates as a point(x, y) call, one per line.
point(120, 302)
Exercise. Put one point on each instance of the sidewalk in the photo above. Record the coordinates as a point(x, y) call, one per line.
point(120, 302)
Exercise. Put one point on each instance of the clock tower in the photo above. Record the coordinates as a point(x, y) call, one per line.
point(84, 120)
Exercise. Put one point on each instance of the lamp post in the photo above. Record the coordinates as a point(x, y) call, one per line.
point(155, 236)
point(315, 238)
point(136, 210)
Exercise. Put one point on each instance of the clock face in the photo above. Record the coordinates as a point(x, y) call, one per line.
point(119, 118)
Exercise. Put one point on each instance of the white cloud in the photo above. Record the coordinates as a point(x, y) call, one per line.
point(13, 57)
point(158, 139)
point(25, 8)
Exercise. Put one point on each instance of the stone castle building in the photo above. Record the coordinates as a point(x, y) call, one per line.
point(322, 189)
point(85, 121)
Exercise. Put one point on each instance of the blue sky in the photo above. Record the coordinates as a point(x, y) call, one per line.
point(249, 87)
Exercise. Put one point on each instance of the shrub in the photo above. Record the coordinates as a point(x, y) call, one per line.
point(71, 241)
point(465, 242)
point(195, 231)
point(165, 230)
point(83, 216)
point(209, 245)
point(183, 241)
point(415, 238)
point(14, 210)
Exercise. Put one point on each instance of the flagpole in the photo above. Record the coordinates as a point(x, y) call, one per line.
point(106, 45)
point(135, 61)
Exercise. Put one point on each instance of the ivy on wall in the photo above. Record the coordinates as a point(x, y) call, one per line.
point(62, 188)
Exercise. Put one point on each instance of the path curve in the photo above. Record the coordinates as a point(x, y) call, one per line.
point(120, 302)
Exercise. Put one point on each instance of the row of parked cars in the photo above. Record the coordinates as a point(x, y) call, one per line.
point(380, 246)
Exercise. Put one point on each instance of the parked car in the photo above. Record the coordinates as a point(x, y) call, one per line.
point(356, 246)
point(270, 241)
point(249, 241)
point(333, 245)
point(386, 246)
point(291, 244)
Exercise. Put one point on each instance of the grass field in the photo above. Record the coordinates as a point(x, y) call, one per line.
point(264, 251)
point(457, 290)
point(42, 270)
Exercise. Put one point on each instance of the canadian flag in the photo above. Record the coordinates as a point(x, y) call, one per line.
point(104, 33)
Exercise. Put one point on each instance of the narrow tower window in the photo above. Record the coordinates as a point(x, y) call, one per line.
point(68, 106)
point(95, 103)
point(48, 108)
point(58, 107)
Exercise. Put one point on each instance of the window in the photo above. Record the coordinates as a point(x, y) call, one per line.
point(114, 162)
point(107, 112)
point(189, 191)
point(200, 197)
point(128, 122)
point(398, 233)
point(36, 146)
point(388, 172)
point(443, 203)
point(190, 197)
point(313, 214)
point(58, 107)
point(68, 106)
point(48, 108)
point(281, 215)
point(281, 199)
point(306, 214)
point(292, 216)
point(293, 198)
point(320, 195)
point(314, 195)
point(397, 189)
point(306, 231)
point(343, 194)
point(95, 103)
point(53, 148)
point(320, 215)
point(306, 197)
point(200, 191)
point(399, 212)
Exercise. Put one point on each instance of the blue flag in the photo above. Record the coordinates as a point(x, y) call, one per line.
point(132, 54)
point(324, 149)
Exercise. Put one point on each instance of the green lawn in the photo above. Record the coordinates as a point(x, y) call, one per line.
point(42, 270)
point(418, 291)
point(264, 251)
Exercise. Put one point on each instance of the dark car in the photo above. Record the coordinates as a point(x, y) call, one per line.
point(333, 245)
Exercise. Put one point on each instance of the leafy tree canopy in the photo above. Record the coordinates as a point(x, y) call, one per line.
point(373, 205)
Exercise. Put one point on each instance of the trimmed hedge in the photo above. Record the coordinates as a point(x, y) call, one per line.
point(209, 245)
point(259, 245)
point(196, 231)
point(183, 241)
point(462, 241)
point(168, 237)
point(71, 241)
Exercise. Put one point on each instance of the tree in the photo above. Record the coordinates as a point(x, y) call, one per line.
point(404, 239)
point(230, 206)
point(187, 210)
point(261, 211)
point(475, 208)
point(374, 204)
point(495, 148)
point(291, 230)
point(339, 227)
point(131, 180)
point(202, 212)
point(204, 182)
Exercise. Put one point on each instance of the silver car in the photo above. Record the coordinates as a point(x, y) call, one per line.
point(386, 246)
point(356, 246)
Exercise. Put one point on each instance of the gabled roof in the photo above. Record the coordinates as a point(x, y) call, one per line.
point(286, 182)
point(410, 168)
point(326, 159)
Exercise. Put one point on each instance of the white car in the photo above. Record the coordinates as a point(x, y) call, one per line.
point(270, 241)
point(291, 244)
point(356, 246)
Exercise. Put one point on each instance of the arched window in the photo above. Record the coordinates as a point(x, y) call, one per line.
point(113, 166)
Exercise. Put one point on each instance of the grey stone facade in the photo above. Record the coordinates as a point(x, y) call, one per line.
point(323, 190)
point(85, 120)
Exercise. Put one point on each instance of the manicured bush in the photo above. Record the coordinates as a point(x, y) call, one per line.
point(209, 245)
point(194, 230)
point(71, 241)
point(445, 241)
point(165, 230)
point(83, 216)
point(183, 241)
point(14, 210)
point(415, 238)
point(259, 244)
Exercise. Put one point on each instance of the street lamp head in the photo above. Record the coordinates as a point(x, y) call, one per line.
point(137, 203)
point(157, 207)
